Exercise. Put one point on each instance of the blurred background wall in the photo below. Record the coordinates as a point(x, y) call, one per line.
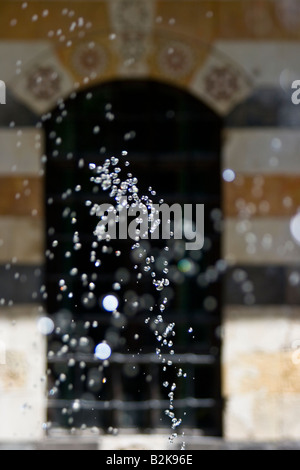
point(237, 58)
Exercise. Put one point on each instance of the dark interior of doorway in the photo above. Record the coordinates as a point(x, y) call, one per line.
point(172, 142)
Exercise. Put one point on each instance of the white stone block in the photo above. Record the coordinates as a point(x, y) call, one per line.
point(262, 151)
point(20, 151)
point(22, 377)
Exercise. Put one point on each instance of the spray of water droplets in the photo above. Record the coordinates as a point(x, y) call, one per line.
point(125, 194)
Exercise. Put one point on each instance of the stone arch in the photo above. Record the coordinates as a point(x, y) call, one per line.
point(172, 58)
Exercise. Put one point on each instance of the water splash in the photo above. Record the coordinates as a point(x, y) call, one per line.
point(125, 193)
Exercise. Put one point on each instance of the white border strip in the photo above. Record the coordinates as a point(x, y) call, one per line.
point(262, 150)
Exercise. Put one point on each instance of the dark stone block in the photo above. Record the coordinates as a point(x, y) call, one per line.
point(21, 284)
point(17, 113)
point(252, 285)
point(267, 106)
point(293, 286)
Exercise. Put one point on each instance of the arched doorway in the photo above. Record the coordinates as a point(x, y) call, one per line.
point(172, 142)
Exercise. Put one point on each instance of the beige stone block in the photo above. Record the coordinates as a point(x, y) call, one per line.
point(262, 150)
point(238, 417)
point(2, 353)
point(259, 241)
point(290, 425)
point(22, 239)
point(21, 196)
point(262, 417)
point(260, 347)
point(266, 416)
point(261, 372)
point(250, 417)
point(20, 151)
point(261, 195)
point(22, 417)
point(249, 330)
point(271, 373)
point(22, 377)
point(135, 442)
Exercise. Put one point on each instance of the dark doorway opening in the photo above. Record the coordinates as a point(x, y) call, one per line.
point(172, 142)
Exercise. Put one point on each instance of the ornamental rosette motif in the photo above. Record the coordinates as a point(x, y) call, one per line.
point(221, 83)
point(44, 83)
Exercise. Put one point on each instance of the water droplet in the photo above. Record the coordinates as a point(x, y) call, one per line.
point(89, 300)
point(103, 351)
point(295, 228)
point(45, 326)
point(228, 175)
point(76, 405)
point(110, 303)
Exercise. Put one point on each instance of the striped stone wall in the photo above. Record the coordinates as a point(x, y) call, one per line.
point(22, 373)
point(261, 377)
